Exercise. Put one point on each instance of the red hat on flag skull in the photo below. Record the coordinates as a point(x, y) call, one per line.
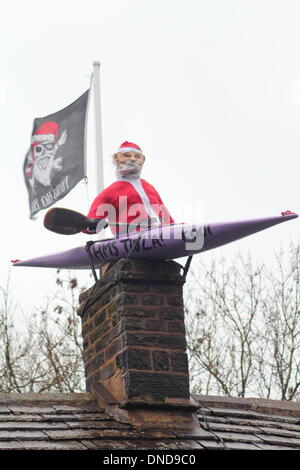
point(46, 133)
point(129, 147)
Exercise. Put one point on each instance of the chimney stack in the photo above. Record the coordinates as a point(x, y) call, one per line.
point(134, 337)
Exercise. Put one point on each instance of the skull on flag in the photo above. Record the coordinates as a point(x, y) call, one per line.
point(42, 160)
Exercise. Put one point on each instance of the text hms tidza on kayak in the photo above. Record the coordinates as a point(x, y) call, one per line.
point(192, 237)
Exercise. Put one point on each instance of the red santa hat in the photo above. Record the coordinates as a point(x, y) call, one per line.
point(129, 147)
point(46, 133)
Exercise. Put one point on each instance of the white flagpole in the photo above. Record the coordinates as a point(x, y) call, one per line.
point(98, 128)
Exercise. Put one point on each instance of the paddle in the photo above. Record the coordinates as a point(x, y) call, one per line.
point(69, 222)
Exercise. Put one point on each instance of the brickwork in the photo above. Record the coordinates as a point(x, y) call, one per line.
point(134, 334)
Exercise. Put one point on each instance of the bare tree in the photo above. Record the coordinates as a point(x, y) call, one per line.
point(243, 327)
point(13, 349)
point(279, 360)
point(46, 353)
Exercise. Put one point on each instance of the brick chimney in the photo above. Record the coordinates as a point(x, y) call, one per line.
point(134, 337)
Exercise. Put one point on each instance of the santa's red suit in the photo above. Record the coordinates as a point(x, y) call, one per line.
point(130, 202)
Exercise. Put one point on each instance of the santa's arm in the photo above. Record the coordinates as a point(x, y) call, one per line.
point(97, 212)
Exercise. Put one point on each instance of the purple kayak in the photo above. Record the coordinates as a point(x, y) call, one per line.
point(158, 243)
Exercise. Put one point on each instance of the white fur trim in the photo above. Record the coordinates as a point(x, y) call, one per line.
point(43, 138)
point(128, 149)
point(137, 184)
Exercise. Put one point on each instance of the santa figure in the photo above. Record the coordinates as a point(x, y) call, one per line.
point(130, 203)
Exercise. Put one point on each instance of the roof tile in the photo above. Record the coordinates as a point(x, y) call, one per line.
point(212, 445)
point(68, 409)
point(23, 417)
point(295, 442)
point(236, 437)
point(143, 444)
point(47, 445)
point(98, 416)
point(241, 446)
point(279, 418)
point(30, 409)
point(92, 434)
point(4, 410)
point(280, 432)
point(94, 424)
point(279, 440)
point(10, 445)
point(259, 405)
point(21, 435)
point(228, 427)
point(273, 447)
point(232, 412)
point(32, 425)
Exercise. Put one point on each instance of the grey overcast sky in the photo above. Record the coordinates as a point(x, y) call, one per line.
point(210, 89)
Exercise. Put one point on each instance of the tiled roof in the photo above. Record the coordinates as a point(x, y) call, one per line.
point(245, 423)
point(75, 422)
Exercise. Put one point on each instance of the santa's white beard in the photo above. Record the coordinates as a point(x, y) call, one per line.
point(128, 170)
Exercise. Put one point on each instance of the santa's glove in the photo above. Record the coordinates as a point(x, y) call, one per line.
point(97, 225)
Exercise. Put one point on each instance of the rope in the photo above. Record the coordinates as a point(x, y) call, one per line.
point(86, 181)
point(88, 248)
point(208, 428)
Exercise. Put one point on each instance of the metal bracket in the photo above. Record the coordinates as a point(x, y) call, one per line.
point(88, 247)
point(187, 266)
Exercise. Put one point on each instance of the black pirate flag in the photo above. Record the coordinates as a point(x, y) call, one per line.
point(55, 162)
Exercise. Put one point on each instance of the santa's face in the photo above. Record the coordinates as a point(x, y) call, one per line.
point(129, 163)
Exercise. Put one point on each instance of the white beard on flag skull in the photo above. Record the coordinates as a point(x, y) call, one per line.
point(55, 162)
